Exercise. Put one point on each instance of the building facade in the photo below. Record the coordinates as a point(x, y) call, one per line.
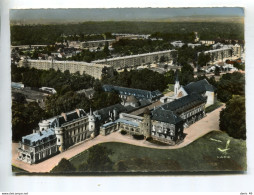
point(98, 43)
point(135, 60)
point(56, 135)
point(37, 146)
point(92, 69)
point(225, 52)
point(164, 123)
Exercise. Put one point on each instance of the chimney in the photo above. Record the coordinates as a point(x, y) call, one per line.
point(64, 115)
point(78, 112)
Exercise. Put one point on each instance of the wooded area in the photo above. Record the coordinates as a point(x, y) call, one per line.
point(49, 34)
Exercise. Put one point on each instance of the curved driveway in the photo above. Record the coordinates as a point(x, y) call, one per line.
point(195, 131)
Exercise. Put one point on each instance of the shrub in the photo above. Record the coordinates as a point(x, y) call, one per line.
point(123, 132)
point(63, 166)
point(138, 137)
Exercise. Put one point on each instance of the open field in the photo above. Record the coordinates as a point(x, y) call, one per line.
point(201, 155)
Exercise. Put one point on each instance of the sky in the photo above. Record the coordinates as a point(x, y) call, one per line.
point(120, 14)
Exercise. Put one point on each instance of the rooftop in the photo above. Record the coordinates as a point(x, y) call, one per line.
point(70, 116)
point(138, 93)
point(120, 120)
point(167, 116)
point(200, 87)
point(185, 103)
point(34, 137)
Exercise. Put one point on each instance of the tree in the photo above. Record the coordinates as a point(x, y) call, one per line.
point(232, 118)
point(106, 50)
point(186, 75)
point(239, 66)
point(25, 117)
point(56, 104)
point(63, 166)
point(98, 159)
point(229, 85)
point(170, 77)
point(203, 59)
point(162, 59)
point(19, 97)
point(217, 71)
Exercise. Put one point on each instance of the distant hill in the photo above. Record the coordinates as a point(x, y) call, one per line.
point(61, 16)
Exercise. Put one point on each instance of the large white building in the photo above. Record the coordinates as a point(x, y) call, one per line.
point(135, 60)
point(92, 69)
point(56, 135)
point(225, 52)
point(98, 43)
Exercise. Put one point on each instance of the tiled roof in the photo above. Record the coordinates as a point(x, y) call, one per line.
point(167, 116)
point(108, 124)
point(70, 116)
point(185, 103)
point(199, 87)
point(138, 93)
point(120, 120)
point(104, 112)
point(34, 137)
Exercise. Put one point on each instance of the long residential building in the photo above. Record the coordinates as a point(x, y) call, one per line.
point(98, 43)
point(92, 69)
point(224, 52)
point(135, 60)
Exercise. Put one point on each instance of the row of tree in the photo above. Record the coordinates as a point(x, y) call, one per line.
point(62, 82)
point(132, 47)
point(231, 90)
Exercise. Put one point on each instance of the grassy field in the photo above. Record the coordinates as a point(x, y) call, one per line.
point(201, 155)
point(17, 169)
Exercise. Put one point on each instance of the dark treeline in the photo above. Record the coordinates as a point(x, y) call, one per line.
point(49, 34)
point(140, 79)
point(131, 47)
point(231, 90)
point(62, 82)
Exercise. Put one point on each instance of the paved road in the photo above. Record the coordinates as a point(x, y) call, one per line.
point(195, 131)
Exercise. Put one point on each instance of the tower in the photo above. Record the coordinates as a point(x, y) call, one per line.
point(43, 125)
point(146, 124)
point(177, 84)
point(91, 121)
point(59, 137)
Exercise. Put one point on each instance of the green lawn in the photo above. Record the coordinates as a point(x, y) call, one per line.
point(17, 169)
point(201, 155)
point(169, 88)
